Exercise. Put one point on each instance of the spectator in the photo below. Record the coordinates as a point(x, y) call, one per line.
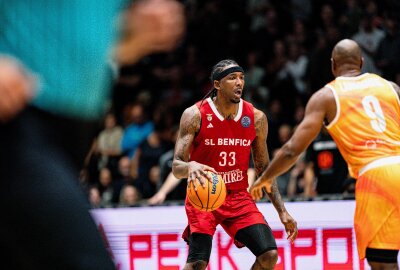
point(106, 187)
point(175, 94)
point(350, 17)
point(94, 196)
point(276, 63)
point(255, 91)
point(137, 131)
point(130, 196)
point(145, 163)
point(318, 69)
point(296, 185)
point(122, 178)
point(298, 114)
point(254, 73)
point(109, 142)
point(301, 34)
point(388, 52)
point(256, 10)
point(296, 67)
point(368, 38)
point(301, 9)
point(284, 133)
point(326, 18)
point(106, 148)
point(282, 180)
point(275, 120)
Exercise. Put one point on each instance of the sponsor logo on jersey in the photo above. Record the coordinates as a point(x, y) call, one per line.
point(210, 126)
point(209, 116)
point(232, 176)
point(245, 121)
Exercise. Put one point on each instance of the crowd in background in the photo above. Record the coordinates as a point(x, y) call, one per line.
point(284, 47)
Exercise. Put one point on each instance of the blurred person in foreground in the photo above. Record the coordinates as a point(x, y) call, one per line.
point(362, 114)
point(221, 131)
point(46, 222)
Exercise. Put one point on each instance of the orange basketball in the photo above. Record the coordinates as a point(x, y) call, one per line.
point(211, 196)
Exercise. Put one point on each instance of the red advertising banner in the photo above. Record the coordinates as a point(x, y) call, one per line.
point(149, 238)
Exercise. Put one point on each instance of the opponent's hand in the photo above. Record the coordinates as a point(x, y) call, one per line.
point(199, 171)
point(16, 88)
point(290, 226)
point(256, 189)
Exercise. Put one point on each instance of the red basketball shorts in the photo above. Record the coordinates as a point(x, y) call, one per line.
point(237, 212)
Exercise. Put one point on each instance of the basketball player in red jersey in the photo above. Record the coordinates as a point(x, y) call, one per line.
point(362, 114)
point(217, 134)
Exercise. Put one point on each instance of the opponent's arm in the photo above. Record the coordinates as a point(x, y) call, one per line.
point(181, 167)
point(261, 160)
point(308, 129)
point(261, 157)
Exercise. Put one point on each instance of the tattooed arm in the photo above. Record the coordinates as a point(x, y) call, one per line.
point(261, 161)
point(181, 166)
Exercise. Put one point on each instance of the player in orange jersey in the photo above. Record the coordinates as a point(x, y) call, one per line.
point(362, 114)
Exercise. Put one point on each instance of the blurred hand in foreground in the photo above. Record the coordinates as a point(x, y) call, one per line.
point(150, 26)
point(16, 87)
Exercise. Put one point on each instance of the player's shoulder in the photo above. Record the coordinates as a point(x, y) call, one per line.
point(322, 101)
point(191, 116)
point(258, 114)
point(260, 119)
point(323, 96)
point(192, 110)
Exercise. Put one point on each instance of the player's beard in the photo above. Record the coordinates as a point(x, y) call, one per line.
point(235, 101)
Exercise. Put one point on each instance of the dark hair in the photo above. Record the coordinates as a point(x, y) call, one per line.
point(219, 67)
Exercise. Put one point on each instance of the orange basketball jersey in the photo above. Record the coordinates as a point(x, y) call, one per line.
point(366, 126)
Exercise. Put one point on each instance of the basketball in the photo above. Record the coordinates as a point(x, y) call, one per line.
point(210, 197)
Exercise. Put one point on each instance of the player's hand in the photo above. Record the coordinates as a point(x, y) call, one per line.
point(16, 88)
point(290, 226)
point(199, 171)
point(256, 189)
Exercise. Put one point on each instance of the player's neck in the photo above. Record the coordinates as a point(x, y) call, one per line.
point(348, 73)
point(227, 109)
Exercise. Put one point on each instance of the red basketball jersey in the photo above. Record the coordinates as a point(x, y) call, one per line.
point(225, 144)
